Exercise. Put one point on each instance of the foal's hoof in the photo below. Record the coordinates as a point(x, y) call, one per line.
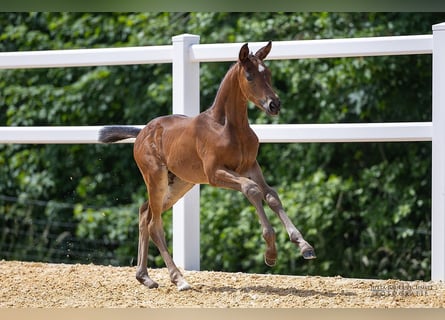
point(183, 285)
point(309, 254)
point(146, 281)
point(270, 262)
point(150, 284)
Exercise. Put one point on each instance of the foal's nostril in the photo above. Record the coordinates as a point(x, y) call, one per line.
point(274, 106)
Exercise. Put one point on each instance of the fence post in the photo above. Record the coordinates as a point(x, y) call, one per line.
point(186, 248)
point(438, 156)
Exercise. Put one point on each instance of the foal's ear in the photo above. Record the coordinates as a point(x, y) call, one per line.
point(243, 53)
point(264, 51)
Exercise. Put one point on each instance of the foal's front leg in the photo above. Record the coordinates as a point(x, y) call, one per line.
point(295, 235)
point(225, 178)
point(274, 202)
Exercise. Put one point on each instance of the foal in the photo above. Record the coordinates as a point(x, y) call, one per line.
point(217, 147)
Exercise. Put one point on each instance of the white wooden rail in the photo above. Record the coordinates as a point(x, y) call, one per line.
point(186, 53)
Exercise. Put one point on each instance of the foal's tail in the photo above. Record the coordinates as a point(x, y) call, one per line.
point(110, 134)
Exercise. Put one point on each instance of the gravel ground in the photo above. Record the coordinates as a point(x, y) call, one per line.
point(28, 284)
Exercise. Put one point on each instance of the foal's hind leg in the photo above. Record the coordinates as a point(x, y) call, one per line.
point(167, 190)
point(144, 238)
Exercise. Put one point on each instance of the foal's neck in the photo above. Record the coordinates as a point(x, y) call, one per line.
point(230, 105)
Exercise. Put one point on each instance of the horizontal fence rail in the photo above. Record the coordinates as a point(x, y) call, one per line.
point(326, 48)
point(85, 57)
point(186, 53)
point(347, 132)
point(267, 133)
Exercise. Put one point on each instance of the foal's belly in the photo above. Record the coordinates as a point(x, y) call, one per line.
point(190, 171)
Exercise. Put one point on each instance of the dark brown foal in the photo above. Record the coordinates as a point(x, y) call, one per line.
point(217, 147)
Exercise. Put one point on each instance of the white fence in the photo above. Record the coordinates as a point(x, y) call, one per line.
point(186, 53)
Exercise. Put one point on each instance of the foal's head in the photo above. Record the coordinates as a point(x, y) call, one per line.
point(255, 79)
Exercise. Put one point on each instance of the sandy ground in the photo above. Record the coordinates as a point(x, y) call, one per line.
point(25, 284)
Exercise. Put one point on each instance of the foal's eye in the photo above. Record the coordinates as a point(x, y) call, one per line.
point(249, 76)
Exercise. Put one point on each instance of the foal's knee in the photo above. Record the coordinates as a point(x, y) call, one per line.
point(252, 191)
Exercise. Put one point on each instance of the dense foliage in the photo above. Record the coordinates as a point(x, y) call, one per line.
point(364, 207)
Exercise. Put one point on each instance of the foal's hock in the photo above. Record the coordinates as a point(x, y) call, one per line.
point(217, 147)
